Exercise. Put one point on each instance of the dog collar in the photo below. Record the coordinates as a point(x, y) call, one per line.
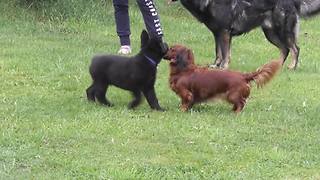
point(151, 60)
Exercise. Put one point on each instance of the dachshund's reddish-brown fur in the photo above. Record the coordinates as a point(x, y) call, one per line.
point(197, 84)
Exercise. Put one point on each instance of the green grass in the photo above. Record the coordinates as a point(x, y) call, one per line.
point(49, 130)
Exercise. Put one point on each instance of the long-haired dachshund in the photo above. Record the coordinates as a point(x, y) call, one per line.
point(197, 84)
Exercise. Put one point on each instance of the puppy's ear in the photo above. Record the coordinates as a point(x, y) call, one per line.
point(164, 47)
point(144, 38)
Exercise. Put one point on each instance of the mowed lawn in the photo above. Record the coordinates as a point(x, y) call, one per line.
point(48, 130)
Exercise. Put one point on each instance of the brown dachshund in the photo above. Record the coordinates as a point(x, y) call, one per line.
point(197, 84)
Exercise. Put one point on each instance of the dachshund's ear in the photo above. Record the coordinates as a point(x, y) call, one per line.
point(182, 59)
point(144, 38)
point(190, 56)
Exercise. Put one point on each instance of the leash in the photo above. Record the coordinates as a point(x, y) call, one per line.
point(151, 60)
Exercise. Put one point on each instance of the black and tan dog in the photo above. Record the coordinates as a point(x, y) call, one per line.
point(136, 74)
point(279, 20)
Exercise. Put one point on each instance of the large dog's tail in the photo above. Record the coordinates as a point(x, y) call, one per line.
point(309, 7)
point(265, 73)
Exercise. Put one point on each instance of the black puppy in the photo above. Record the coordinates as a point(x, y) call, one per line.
point(136, 74)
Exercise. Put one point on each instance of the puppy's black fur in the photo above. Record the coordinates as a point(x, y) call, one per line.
point(136, 74)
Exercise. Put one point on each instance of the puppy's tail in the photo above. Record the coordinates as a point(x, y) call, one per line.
point(265, 73)
point(309, 7)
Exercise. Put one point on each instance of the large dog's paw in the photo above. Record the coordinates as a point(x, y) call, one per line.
point(109, 105)
point(213, 66)
point(292, 66)
point(105, 103)
point(160, 109)
point(224, 66)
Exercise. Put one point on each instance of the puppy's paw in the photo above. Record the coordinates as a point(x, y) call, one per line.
point(108, 105)
point(131, 106)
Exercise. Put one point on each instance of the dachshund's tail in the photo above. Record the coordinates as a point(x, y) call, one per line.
point(264, 74)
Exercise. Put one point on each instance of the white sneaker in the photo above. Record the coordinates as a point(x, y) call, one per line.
point(124, 50)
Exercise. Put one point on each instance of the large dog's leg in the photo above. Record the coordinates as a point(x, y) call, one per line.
point(291, 37)
point(136, 101)
point(294, 48)
point(274, 38)
point(218, 59)
point(225, 42)
point(150, 95)
point(288, 28)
